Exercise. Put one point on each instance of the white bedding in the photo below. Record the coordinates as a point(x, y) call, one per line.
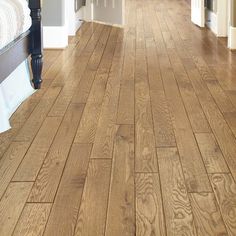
point(13, 91)
point(14, 20)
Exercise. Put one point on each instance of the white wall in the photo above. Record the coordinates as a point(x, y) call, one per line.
point(56, 35)
point(73, 19)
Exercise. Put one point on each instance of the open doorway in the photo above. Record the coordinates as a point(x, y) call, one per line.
point(110, 12)
point(216, 15)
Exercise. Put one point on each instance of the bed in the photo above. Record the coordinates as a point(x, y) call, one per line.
point(22, 40)
point(20, 37)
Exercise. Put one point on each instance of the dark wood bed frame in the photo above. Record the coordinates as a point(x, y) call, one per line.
point(29, 43)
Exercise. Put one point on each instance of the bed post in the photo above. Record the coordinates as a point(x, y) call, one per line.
point(36, 43)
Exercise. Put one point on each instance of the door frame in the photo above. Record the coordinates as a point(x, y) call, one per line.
point(88, 13)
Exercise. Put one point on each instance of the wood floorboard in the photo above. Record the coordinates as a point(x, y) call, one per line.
point(48, 179)
point(132, 134)
point(121, 204)
point(33, 219)
point(69, 193)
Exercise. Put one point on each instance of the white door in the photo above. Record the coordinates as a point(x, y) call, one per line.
point(109, 11)
point(198, 12)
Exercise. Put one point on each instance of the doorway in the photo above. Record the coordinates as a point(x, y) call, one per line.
point(111, 12)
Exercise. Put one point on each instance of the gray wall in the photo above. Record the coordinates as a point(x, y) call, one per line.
point(52, 12)
point(233, 13)
point(79, 4)
point(209, 4)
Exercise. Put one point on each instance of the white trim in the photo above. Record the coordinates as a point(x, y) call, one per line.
point(211, 21)
point(79, 16)
point(88, 11)
point(218, 21)
point(232, 37)
point(198, 12)
point(109, 24)
point(55, 37)
point(73, 19)
point(89, 14)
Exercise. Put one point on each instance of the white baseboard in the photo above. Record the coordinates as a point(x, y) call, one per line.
point(109, 24)
point(55, 37)
point(79, 16)
point(232, 38)
point(75, 21)
point(218, 22)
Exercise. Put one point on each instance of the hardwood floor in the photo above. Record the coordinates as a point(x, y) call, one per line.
point(133, 133)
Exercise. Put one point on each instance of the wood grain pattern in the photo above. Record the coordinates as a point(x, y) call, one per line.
point(145, 158)
point(92, 215)
point(48, 179)
point(83, 89)
point(149, 207)
point(225, 191)
point(207, 216)
point(230, 118)
point(193, 108)
point(33, 220)
point(164, 133)
point(120, 214)
point(65, 209)
point(221, 98)
point(125, 114)
point(11, 206)
point(10, 162)
point(177, 208)
point(37, 152)
point(74, 76)
point(211, 153)
point(194, 171)
point(36, 119)
point(88, 125)
point(107, 128)
point(154, 153)
point(220, 128)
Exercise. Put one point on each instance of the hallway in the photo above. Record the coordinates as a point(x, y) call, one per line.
point(133, 133)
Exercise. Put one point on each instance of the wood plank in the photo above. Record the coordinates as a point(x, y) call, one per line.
point(149, 207)
point(230, 118)
point(48, 179)
point(11, 206)
point(225, 191)
point(92, 214)
point(33, 220)
point(193, 108)
point(65, 209)
point(121, 206)
point(107, 128)
point(145, 151)
point(207, 216)
point(211, 153)
point(164, 133)
point(125, 114)
point(10, 162)
point(18, 120)
point(65, 62)
point(88, 125)
point(177, 208)
point(220, 128)
point(33, 160)
point(83, 89)
point(221, 98)
point(74, 76)
point(191, 160)
point(31, 127)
